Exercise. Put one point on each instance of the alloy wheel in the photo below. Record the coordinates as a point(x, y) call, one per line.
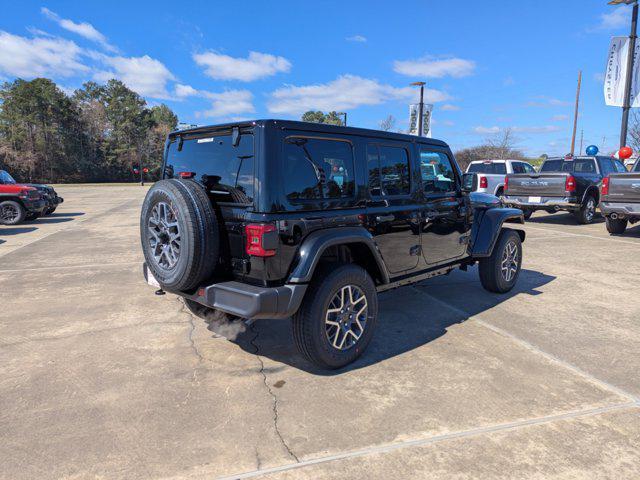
point(346, 317)
point(591, 209)
point(509, 264)
point(164, 235)
point(9, 213)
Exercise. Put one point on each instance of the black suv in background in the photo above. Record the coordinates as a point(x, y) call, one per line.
point(570, 184)
point(47, 193)
point(273, 219)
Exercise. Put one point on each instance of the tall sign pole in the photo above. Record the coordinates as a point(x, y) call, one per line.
point(629, 80)
point(575, 114)
point(420, 106)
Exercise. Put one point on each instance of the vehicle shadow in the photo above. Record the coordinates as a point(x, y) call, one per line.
point(65, 214)
point(401, 327)
point(42, 220)
point(560, 219)
point(15, 230)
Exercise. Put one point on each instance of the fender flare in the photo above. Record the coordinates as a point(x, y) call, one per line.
point(487, 226)
point(315, 244)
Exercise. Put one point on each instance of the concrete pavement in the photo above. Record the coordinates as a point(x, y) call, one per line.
point(100, 378)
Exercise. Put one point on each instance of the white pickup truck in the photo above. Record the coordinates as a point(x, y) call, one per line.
point(490, 174)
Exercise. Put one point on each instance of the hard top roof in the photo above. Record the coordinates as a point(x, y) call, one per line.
point(311, 127)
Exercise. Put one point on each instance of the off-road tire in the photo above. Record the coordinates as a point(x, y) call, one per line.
point(490, 268)
point(587, 211)
point(198, 228)
point(21, 213)
point(309, 328)
point(617, 226)
point(31, 216)
point(50, 210)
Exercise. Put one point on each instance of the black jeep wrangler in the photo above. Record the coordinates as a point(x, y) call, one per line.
point(273, 219)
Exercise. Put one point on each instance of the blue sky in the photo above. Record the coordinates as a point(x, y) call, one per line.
point(488, 65)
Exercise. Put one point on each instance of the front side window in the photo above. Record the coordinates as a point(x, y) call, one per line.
point(389, 172)
point(318, 168)
point(618, 165)
point(636, 168)
point(437, 172)
point(518, 167)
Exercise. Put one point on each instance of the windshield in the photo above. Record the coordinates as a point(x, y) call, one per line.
point(6, 178)
point(489, 168)
point(212, 160)
point(579, 165)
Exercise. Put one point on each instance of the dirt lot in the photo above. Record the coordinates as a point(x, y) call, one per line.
point(100, 378)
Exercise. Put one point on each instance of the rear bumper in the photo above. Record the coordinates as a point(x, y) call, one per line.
point(620, 209)
point(247, 301)
point(545, 203)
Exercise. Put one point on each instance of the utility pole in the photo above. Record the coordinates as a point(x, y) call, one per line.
point(626, 106)
point(581, 139)
point(575, 114)
point(420, 105)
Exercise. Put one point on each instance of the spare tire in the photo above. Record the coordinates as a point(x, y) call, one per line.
point(179, 233)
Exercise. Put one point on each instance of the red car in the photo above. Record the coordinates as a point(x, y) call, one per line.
point(19, 202)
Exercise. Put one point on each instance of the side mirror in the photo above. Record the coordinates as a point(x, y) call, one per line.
point(469, 182)
point(235, 136)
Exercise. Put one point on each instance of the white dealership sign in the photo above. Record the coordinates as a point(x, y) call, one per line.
point(426, 119)
point(616, 73)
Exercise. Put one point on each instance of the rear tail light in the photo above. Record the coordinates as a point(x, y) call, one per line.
point(605, 186)
point(506, 184)
point(258, 241)
point(570, 184)
point(187, 174)
point(483, 182)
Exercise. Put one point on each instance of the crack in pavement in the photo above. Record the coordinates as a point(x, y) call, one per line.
point(273, 396)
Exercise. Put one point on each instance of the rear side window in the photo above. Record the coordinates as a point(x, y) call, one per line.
point(583, 165)
point(318, 168)
point(225, 171)
point(528, 168)
point(607, 166)
point(389, 172)
point(497, 168)
point(436, 172)
point(618, 165)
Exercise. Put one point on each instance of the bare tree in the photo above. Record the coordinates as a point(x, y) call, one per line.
point(388, 123)
point(503, 143)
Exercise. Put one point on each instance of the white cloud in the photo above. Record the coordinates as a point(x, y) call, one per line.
point(145, 75)
point(619, 17)
point(39, 57)
point(184, 91)
point(448, 107)
point(534, 130)
point(229, 103)
point(83, 29)
point(356, 38)
point(598, 77)
point(542, 129)
point(560, 118)
point(487, 130)
point(431, 67)
point(508, 81)
point(345, 93)
point(544, 101)
point(257, 65)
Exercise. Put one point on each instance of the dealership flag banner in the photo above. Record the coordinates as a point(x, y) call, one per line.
point(616, 73)
point(426, 119)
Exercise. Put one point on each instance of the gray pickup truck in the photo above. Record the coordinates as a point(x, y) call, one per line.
point(620, 199)
point(569, 184)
